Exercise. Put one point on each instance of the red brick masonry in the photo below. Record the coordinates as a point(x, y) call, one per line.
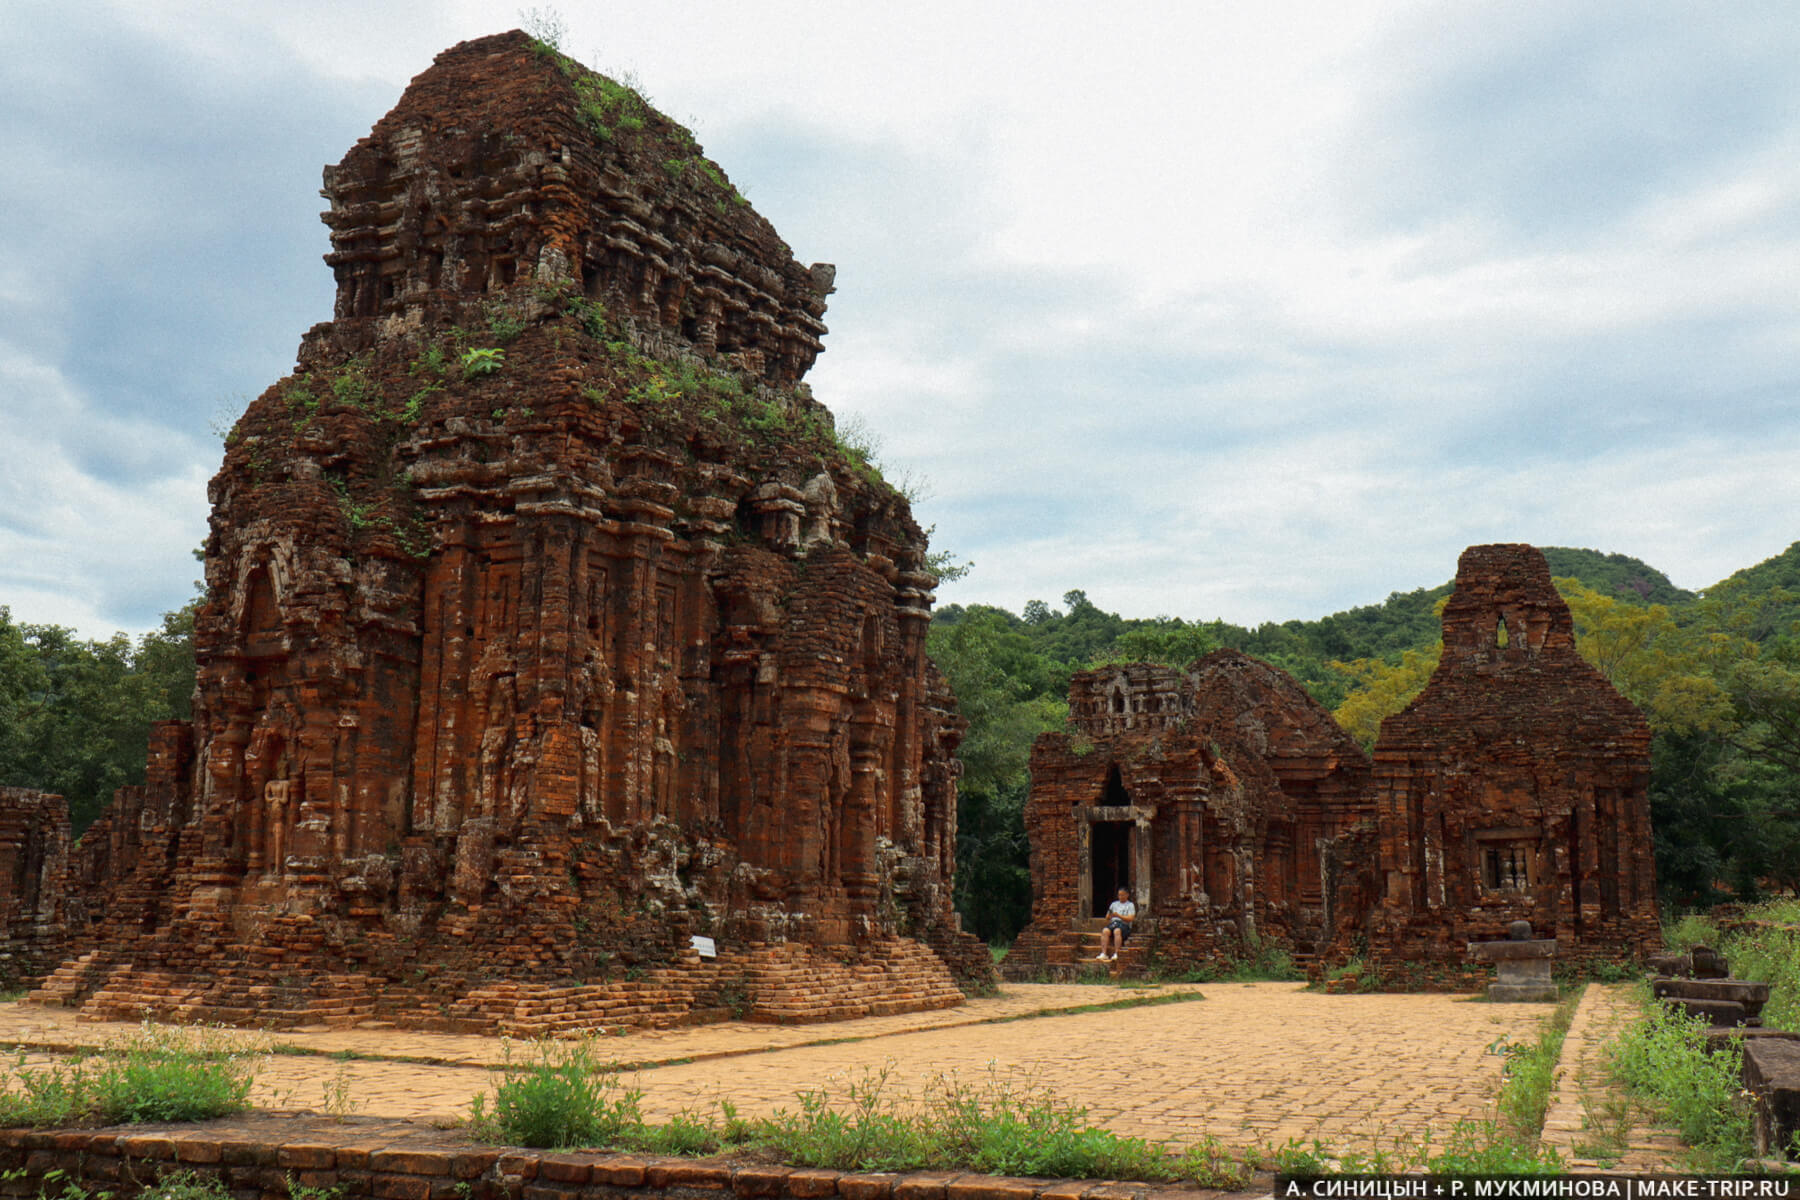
point(262, 1157)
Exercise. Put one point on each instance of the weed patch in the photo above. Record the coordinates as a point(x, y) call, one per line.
point(159, 1073)
point(1663, 1059)
point(561, 1096)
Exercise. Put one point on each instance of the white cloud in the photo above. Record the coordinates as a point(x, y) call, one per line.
point(77, 548)
point(1257, 311)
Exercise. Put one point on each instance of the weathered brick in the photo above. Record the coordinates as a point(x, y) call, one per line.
point(511, 583)
point(472, 1164)
point(521, 1166)
point(306, 1156)
point(679, 1174)
point(759, 1180)
point(198, 1150)
point(412, 1162)
point(866, 1186)
point(1169, 778)
point(565, 1168)
point(990, 1187)
point(150, 1147)
point(400, 1187)
point(922, 1185)
point(812, 1183)
point(619, 1171)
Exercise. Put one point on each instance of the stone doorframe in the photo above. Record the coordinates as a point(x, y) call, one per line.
point(1086, 819)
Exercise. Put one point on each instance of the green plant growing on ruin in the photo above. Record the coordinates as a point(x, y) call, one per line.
point(304, 1191)
point(434, 359)
point(304, 405)
point(187, 1185)
point(1530, 1074)
point(546, 28)
point(503, 324)
point(480, 361)
point(339, 1100)
point(409, 411)
point(590, 313)
point(351, 385)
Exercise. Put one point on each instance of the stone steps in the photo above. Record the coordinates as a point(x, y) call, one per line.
point(65, 986)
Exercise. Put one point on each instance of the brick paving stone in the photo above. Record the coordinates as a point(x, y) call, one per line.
point(1585, 1089)
point(1250, 1062)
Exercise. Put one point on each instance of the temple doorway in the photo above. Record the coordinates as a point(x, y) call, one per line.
point(1110, 863)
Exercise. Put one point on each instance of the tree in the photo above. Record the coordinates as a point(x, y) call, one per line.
point(1009, 693)
point(1380, 689)
point(1668, 670)
point(75, 715)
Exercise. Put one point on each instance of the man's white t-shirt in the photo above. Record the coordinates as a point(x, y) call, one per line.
point(1122, 908)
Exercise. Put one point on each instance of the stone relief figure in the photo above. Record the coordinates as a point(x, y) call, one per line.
point(275, 821)
point(494, 761)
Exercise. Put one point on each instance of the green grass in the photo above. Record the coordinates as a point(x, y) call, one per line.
point(561, 1095)
point(1663, 1059)
point(1530, 1075)
point(160, 1073)
point(1259, 962)
point(1001, 1122)
point(1770, 956)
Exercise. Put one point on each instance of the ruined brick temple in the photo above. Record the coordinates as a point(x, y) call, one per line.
point(1237, 812)
point(548, 622)
point(34, 882)
point(1205, 792)
point(1515, 787)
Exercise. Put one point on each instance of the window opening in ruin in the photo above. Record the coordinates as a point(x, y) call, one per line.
point(1113, 793)
point(1111, 861)
point(1118, 702)
point(1505, 869)
point(1500, 633)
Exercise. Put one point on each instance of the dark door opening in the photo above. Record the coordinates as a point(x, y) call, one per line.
point(1111, 846)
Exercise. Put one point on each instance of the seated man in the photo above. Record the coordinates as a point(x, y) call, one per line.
point(1119, 916)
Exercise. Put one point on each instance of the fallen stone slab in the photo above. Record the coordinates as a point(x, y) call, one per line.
point(1751, 994)
point(1772, 1077)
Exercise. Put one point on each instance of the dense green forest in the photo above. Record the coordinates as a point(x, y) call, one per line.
point(1718, 675)
point(75, 715)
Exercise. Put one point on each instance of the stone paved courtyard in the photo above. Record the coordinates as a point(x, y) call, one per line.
point(1251, 1062)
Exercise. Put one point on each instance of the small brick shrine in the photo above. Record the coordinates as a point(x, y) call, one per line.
point(1515, 787)
point(548, 623)
point(1209, 793)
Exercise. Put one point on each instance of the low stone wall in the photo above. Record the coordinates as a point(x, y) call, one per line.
point(266, 1157)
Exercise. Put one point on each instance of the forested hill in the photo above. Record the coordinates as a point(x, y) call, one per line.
point(1777, 577)
point(1079, 633)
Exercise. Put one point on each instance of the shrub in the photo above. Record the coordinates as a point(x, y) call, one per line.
point(1663, 1058)
point(561, 1096)
point(185, 1185)
point(160, 1073)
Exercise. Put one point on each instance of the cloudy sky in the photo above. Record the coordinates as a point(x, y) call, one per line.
point(1254, 311)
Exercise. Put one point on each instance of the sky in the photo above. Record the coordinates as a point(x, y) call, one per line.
point(1248, 311)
